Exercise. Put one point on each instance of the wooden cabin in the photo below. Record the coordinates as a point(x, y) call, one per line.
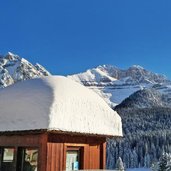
point(54, 124)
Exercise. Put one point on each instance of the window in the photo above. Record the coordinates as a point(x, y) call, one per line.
point(26, 159)
point(72, 160)
point(74, 156)
point(7, 159)
point(8, 155)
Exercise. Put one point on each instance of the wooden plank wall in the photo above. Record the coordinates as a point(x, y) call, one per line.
point(55, 156)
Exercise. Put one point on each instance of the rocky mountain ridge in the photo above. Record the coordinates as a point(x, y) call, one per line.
point(13, 69)
point(104, 74)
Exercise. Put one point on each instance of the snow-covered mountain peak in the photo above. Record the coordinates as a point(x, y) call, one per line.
point(136, 73)
point(41, 69)
point(11, 57)
point(107, 67)
point(24, 60)
point(115, 84)
point(13, 69)
point(10, 54)
point(137, 67)
point(94, 76)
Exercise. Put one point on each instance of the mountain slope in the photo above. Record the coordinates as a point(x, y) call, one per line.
point(146, 98)
point(13, 69)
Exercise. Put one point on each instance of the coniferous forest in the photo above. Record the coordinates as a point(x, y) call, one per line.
point(147, 135)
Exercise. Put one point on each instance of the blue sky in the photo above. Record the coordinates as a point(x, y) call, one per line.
point(70, 36)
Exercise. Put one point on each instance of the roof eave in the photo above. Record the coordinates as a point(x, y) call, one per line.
point(40, 131)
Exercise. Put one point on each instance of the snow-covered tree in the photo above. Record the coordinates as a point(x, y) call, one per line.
point(147, 161)
point(165, 162)
point(154, 166)
point(119, 164)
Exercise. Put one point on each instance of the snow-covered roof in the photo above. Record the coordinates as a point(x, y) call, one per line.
point(56, 103)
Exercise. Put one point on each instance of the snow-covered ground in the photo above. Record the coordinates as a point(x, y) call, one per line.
point(134, 169)
point(139, 169)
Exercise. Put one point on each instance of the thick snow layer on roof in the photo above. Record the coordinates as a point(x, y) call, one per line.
point(56, 103)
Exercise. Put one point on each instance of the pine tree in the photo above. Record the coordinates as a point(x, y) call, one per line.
point(154, 166)
point(163, 162)
point(119, 164)
point(147, 161)
point(169, 162)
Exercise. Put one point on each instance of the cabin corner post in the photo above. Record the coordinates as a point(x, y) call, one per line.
point(103, 155)
point(43, 153)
